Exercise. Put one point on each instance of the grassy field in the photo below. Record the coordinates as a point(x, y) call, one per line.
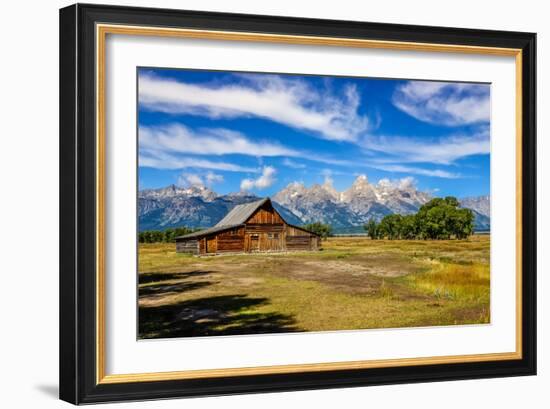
point(353, 283)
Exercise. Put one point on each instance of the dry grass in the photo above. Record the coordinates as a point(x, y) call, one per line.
point(354, 283)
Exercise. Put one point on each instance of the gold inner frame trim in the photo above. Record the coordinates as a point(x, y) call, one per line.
point(101, 33)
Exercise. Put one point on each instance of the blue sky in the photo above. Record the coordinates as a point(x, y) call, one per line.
point(259, 132)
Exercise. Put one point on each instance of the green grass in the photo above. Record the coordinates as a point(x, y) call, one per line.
point(354, 283)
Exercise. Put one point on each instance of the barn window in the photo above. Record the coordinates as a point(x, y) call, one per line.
point(269, 235)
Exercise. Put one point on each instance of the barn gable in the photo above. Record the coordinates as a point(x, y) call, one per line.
point(241, 213)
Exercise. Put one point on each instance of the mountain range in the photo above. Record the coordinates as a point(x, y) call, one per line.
point(346, 211)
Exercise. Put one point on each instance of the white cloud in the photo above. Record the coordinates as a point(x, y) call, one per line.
point(421, 150)
point(444, 103)
point(194, 179)
point(291, 102)
point(266, 179)
point(292, 164)
point(440, 173)
point(407, 182)
point(172, 139)
point(190, 179)
point(212, 178)
point(161, 160)
point(328, 179)
point(217, 141)
point(403, 183)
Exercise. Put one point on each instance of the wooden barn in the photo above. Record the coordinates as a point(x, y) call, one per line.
point(251, 227)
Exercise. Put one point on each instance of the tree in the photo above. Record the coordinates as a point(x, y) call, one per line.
point(323, 230)
point(372, 229)
point(439, 219)
point(463, 223)
point(409, 227)
point(390, 226)
point(443, 219)
point(164, 236)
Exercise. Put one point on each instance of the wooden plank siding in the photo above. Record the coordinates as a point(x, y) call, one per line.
point(188, 246)
point(298, 242)
point(263, 231)
point(211, 244)
point(265, 216)
point(230, 241)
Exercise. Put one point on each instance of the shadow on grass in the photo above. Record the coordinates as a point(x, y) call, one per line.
point(158, 285)
point(160, 290)
point(145, 278)
point(210, 316)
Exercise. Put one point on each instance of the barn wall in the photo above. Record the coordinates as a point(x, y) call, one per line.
point(267, 231)
point(265, 228)
point(294, 231)
point(264, 231)
point(211, 244)
point(315, 242)
point(231, 241)
point(299, 243)
point(187, 246)
point(268, 240)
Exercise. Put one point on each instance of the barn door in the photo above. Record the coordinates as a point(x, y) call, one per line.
point(211, 246)
point(254, 242)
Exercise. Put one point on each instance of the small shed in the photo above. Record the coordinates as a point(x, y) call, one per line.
point(249, 228)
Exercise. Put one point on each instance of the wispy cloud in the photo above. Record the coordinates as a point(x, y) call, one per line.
point(176, 138)
point(403, 183)
point(328, 180)
point(266, 179)
point(292, 102)
point(443, 151)
point(161, 160)
point(442, 103)
point(210, 141)
point(293, 164)
point(212, 178)
point(440, 173)
point(195, 179)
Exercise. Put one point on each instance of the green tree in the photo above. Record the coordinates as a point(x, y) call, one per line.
point(462, 223)
point(323, 230)
point(442, 219)
point(372, 229)
point(164, 236)
point(409, 227)
point(390, 226)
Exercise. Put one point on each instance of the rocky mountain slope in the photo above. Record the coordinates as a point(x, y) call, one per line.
point(198, 206)
point(354, 206)
point(481, 206)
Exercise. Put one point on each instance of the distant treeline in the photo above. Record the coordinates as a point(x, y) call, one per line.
point(439, 219)
point(164, 236)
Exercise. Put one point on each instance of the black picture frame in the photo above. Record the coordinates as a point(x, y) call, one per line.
point(78, 313)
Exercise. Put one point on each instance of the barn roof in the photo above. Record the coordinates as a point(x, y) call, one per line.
point(210, 230)
point(240, 213)
point(235, 218)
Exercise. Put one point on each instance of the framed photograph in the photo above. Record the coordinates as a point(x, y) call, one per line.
point(257, 203)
